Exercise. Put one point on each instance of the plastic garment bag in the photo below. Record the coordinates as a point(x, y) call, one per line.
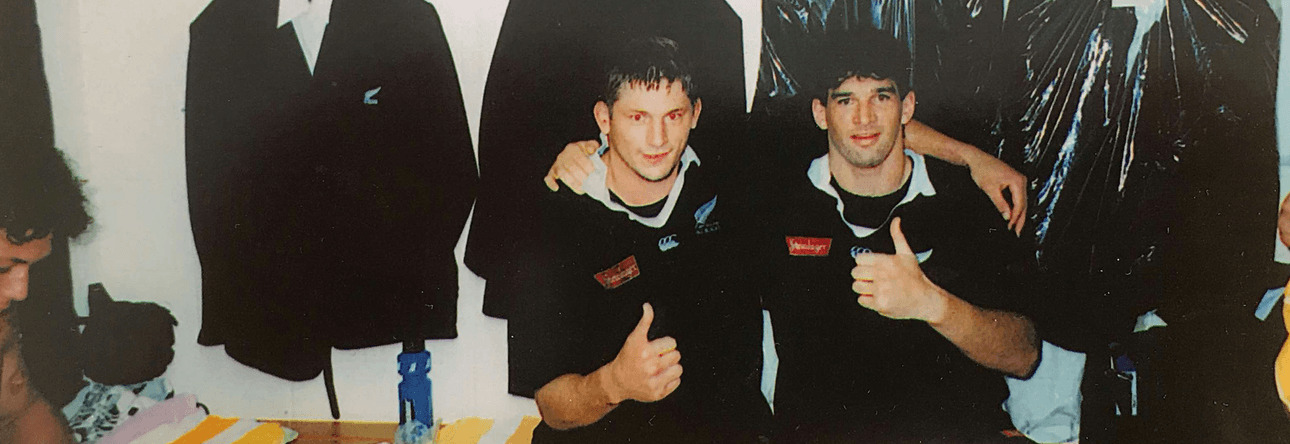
point(1129, 121)
point(1148, 136)
point(1146, 130)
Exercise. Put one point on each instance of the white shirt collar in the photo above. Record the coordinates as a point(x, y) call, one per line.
point(309, 19)
point(597, 188)
point(289, 10)
point(919, 184)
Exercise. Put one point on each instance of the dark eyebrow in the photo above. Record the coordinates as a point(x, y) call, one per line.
point(887, 89)
point(837, 94)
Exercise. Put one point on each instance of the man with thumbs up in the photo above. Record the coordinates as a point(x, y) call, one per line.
point(636, 323)
point(896, 312)
point(645, 370)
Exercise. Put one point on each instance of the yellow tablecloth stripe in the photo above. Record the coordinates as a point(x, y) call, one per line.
point(205, 430)
point(263, 434)
point(471, 430)
point(464, 431)
point(524, 433)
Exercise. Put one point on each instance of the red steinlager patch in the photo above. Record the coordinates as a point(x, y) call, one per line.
point(618, 275)
point(808, 246)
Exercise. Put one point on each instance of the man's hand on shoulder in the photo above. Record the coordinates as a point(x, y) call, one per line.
point(644, 370)
point(994, 176)
point(572, 166)
point(990, 174)
point(894, 285)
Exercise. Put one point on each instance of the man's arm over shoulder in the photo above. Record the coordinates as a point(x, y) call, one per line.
point(992, 175)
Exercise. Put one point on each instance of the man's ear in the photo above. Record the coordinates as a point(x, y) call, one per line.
point(907, 108)
point(818, 110)
point(698, 107)
point(601, 111)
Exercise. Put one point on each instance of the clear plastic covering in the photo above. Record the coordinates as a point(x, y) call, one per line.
point(1144, 126)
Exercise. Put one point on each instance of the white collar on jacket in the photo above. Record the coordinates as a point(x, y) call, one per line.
point(920, 184)
point(596, 187)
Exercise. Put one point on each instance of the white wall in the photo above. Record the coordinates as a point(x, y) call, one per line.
point(116, 71)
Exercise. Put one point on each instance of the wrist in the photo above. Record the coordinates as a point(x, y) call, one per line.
point(609, 390)
point(971, 156)
point(939, 309)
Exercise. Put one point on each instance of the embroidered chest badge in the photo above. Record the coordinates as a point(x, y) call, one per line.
point(619, 274)
point(858, 250)
point(667, 242)
point(922, 257)
point(808, 246)
point(369, 97)
point(701, 223)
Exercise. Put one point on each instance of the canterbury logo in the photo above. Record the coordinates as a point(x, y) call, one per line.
point(922, 257)
point(667, 242)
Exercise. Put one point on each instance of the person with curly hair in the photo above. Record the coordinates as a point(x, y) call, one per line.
point(41, 202)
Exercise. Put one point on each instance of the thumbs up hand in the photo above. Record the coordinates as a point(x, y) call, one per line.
point(895, 286)
point(644, 370)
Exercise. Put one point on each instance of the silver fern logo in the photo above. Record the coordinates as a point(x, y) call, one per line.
point(701, 216)
point(369, 97)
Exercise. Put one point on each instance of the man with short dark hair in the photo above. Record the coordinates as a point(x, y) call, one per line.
point(40, 201)
point(624, 281)
point(895, 312)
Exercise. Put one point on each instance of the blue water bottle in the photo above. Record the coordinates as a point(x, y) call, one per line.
point(416, 414)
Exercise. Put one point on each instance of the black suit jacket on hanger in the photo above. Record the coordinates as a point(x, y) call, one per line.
point(325, 208)
point(547, 73)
